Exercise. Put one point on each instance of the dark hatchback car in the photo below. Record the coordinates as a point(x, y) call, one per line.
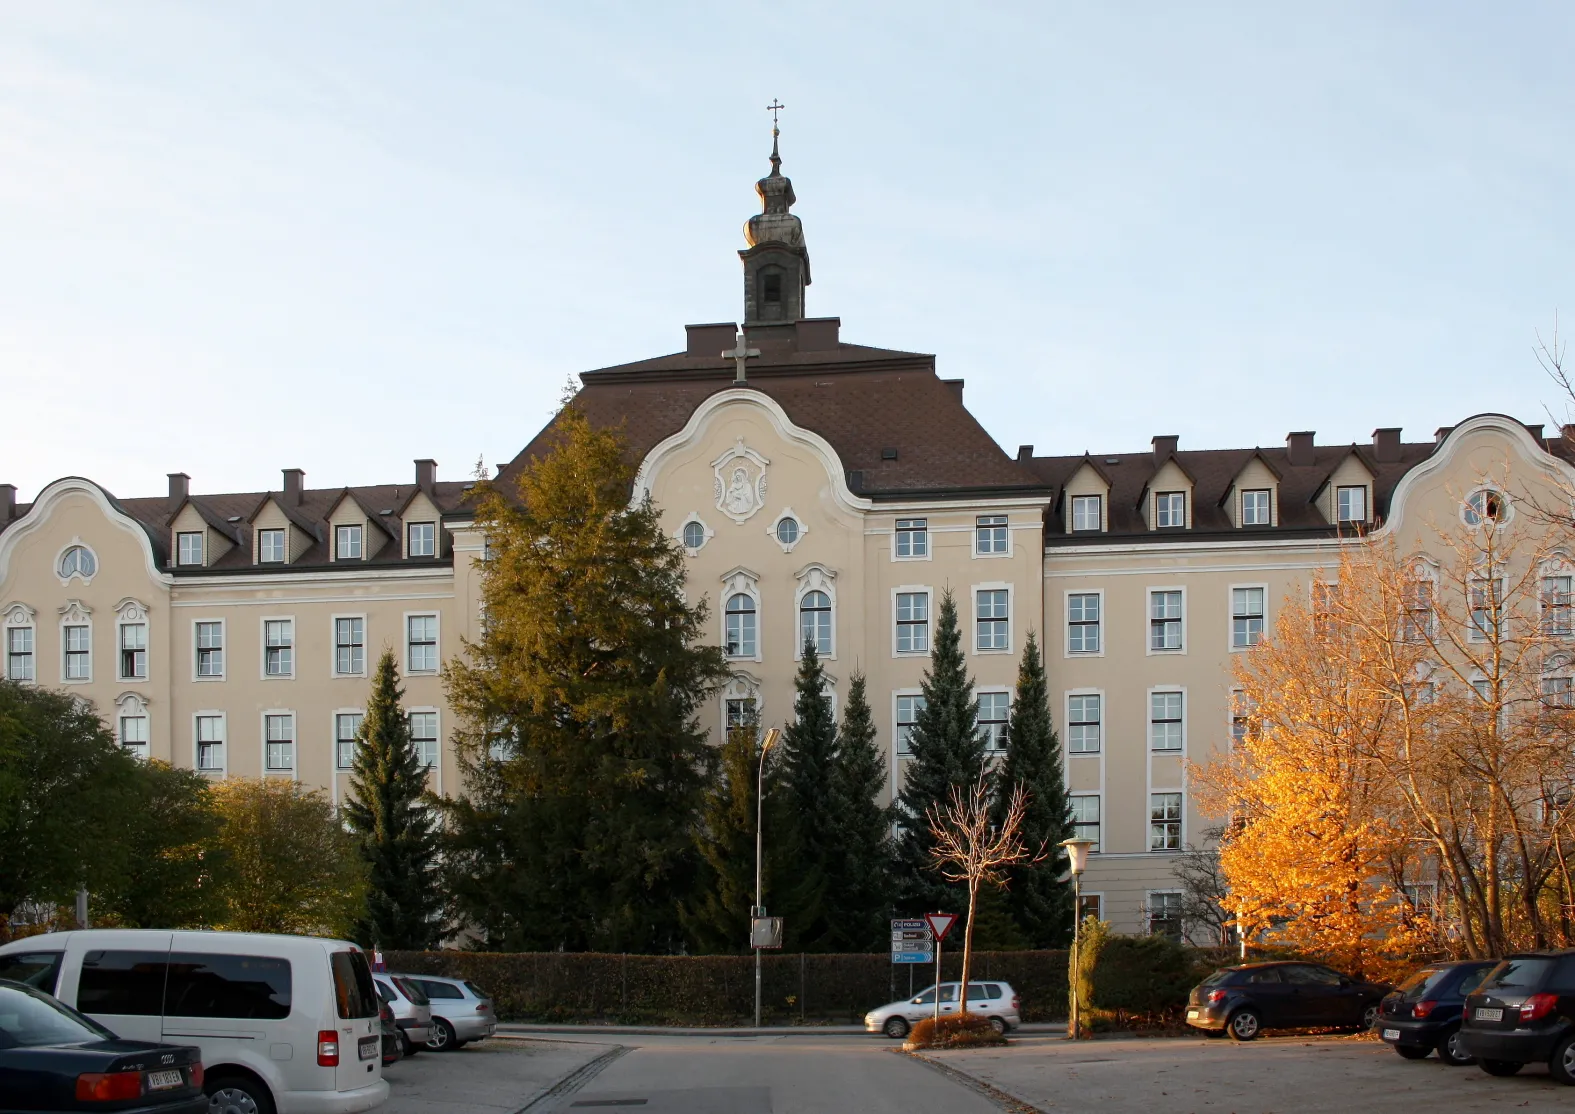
point(393, 1043)
point(1247, 999)
point(53, 1058)
point(1423, 1014)
point(1524, 1011)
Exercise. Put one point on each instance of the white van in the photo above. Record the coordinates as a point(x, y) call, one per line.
point(286, 1024)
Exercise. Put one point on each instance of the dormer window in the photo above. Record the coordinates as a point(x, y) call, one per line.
point(1170, 510)
point(423, 539)
point(347, 543)
point(1350, 504)
point(270, 547)
point(1255, 508)
point(1087, 513)
point(188, 548)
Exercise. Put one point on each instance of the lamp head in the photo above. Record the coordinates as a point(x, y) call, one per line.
point(1077, 852)
point(770, 740)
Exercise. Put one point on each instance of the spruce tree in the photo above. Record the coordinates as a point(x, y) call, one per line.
point(809, 745)
point(947, 750)
point(1040, 904)
point(392, 826)
point(859, 891)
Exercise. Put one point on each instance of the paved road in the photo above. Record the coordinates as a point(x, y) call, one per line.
point(492, 1076)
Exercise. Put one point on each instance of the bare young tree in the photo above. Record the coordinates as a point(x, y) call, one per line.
point(972, 848)
point(1206, 917)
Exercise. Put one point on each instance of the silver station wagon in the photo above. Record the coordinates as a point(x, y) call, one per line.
point(996, 1001)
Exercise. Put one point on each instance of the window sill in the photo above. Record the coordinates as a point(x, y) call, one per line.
point(990, 556)
point(991, 653)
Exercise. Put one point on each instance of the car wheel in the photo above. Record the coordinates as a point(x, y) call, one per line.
point(1500, 1067)
point(1561, 1065)
point(1452, 1050)
point(1244, 1024)
point(998, 1025)
point(234, 1094)
point(896, 1028)
point(442, 1038)
point(1370, 1015)
point(1412, 1052)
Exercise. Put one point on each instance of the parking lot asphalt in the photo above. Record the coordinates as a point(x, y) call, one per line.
point(491, 1075)
point(1274, 1075)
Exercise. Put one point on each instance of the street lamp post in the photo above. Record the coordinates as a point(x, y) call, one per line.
point(760, 811)
point(1077, 853)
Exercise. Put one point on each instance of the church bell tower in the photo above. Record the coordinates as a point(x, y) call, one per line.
point(776, 263)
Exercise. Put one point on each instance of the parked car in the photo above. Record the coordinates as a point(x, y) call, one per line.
point(461, 1011)
point(1524, 1011)
point(1246, 999)
point(256, 1006)
point(412, 1010)
point(53, 1058)
point(393, 1043)
point(1423, 1013)
point(994, 1000)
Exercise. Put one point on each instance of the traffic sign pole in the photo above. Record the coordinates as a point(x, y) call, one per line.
point(940, 924)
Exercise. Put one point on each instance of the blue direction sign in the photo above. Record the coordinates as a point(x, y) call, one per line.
point(911, 942)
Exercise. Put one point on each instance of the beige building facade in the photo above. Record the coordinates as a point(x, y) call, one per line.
point(820, 489)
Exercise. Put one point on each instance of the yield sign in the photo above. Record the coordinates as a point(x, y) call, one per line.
point(940, 923)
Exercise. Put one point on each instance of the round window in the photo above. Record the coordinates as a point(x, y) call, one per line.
point(694, 535)
point(787, 531)
point(1486, 505)
point(78, 561)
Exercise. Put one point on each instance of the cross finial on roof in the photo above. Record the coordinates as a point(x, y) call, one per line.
point(740, 353)
point(774, 107)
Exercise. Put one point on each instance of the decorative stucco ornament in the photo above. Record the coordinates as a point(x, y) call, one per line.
point(740, 482)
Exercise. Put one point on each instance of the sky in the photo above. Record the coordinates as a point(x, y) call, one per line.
point(341, 235)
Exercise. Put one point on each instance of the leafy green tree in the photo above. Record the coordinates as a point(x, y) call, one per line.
point(395, 832)
point(584, 761)
point(809, 748)
point(858, 893)
point(948, 750)
point(178, 873)
point(1039, 903)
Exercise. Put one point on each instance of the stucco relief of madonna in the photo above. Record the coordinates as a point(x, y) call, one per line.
point(740, 482)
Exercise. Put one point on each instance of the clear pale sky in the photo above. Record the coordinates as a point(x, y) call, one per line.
point(237, 237)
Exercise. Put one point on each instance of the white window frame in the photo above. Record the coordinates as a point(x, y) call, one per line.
point(995, 690)
point(1149, 721)
point(1479, 635)
point(1181, 822)
point(1549, 571)
point(197, 717)
point(224, 650)
point(437, 739)
point(284, 545)
point(740, 686)
point(706, 533)
point(20, 617)
point(896, 723)
point(86, 578)
point(262, 648)
point(973, 596)
point(1180, 494)
point(1230, 626)
point(929, 619)
point(410, 537)
point(1005, 526)
point(1099, 515)
point(742, 582)
point(927, 533)
point(437, 643)
point(1367, 499)
point(128, 706)
point(1067, 699)
point(333, 643)
point(1148, 612)
point(1148, 903)
point(294, 768)
point(131, 613)
point(360, 541)
point(1097, 898)
point(814, 578)
point(333, 734)
point(1066, 612)
point(1268, 506)
point(802, 529)
point(1468, 512)
point(73, 615)
point(180, 549)
point(1099, 820)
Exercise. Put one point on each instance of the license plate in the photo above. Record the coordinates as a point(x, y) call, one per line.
point(1489, 1015)
point(165, 1080)
point(370, 1046)
point(1192, 1015)
point(1391, 1034)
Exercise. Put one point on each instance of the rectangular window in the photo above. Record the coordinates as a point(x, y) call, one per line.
point(913, 622)
point(349, 647)
point(134, 651)
point(1487, 609)
point(1255, 508)
point(1422, 896)
point(188, 549)
point(347, 543)
point(991, 618)
point(1082, 623)
point(1164, 720)
point(279, 648)
point(1087, 514)
point(79, 653)
point(913, 537)
point(1246, 617)
point(1164, 915)
point(1170, 510)
point(989, 533)
point(244, 987)
point(993, 713)
point(122, 983)
point(741, 712)
point(1240, 721)
point(1417, 624)
point(270, 547)
point(1164, 620)
point(210, 649)
point(1350, 504)
point(280, 731)
point(421, 642)
point(422, 539)
point(1083, 712)
point(424, 736)
point(1092, 905)
point(908, 708)
point(1558, 692)
point(1164, 822)
point(134, 734)
point(210, 742)
point(1558, 608)
point(19, 654)
point(1085, 817)
point(347, 728)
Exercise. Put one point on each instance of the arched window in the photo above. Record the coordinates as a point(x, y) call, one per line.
point(740, 626)
point(78, 561)
point(814, 612)
point(694, 535)
point(1484, 505)
point(787, 530)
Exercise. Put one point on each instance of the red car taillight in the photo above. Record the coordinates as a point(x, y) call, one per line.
point(1422, 1009)
point(196, 1074)
point(483, 1007)
point(327, 1049)
point(1215, 997)
point(112, 1087)
point(1014, 1002)
point(1538, 1005)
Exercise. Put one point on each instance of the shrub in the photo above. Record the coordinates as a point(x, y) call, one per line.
point(967, 1030)
point(1142, 977)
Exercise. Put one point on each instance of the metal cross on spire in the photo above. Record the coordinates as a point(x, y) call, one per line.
point(774, 107)
point(740, 353)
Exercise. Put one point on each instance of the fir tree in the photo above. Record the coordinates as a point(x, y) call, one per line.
point(948, 749)
point(809, 746)
point(859, 891)
point(1039, 903)
point(395, 833)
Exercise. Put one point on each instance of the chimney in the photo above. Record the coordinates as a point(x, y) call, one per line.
point(1386, 445)
point(708, 342)
point(817, 334)
point(426, 475)
point(294, 483)
point(1025, 453)
point(1165, 447)
point(1536, 433)
point(956, 385)
point(1299, 447)
point(7, 504)
point(1442, 432)
point(180, 487)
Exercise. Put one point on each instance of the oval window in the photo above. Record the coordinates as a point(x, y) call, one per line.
point(1486, 505)
point(787, 530)
point(694, 535)
point(78, 561)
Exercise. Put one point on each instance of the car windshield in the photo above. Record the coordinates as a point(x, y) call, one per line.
point(1517, 974)
point(29, 1018)
point(476, 990)
point(1220, 977)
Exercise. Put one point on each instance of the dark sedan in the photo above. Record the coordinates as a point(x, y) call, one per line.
point(1522, 1012)
point(1424, 1013)
point(1247, 999)
point(53, 1058)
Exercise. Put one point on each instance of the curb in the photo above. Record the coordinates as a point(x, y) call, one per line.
point(524, 1030)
